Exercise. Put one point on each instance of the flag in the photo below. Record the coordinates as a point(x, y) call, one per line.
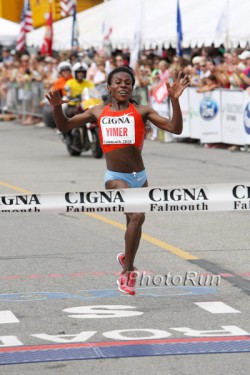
point(179, 31)
point(136, 46)
point(67, 7)
point(26, 25)
point(161, 92)
point(46, 48)
point(74, 40)
point(222, 26)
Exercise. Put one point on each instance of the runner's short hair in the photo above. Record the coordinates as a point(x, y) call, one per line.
point(123, 69)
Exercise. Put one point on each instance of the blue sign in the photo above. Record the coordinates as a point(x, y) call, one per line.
point(208, 108)
point(246, 118)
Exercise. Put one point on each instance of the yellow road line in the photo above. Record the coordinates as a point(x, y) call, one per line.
point(13, 187)
point(146, 237)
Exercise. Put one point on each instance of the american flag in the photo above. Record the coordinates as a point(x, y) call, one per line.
point(67, 7)
point(26, 25)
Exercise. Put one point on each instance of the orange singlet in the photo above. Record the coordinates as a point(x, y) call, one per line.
point(121, 128)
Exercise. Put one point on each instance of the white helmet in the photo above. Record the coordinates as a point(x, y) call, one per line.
point(64, 65)
point(80, 67)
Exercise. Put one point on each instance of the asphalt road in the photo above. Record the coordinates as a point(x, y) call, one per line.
point(54, 267)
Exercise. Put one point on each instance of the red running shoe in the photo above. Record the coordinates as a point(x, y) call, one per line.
point(126, 282)
point(121, 258)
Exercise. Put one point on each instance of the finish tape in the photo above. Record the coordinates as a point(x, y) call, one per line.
point(213, 197)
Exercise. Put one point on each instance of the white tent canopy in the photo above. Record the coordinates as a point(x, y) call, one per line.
point(9, 32)
point(202, 24)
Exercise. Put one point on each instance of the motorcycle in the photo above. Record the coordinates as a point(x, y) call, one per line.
point(85, 137)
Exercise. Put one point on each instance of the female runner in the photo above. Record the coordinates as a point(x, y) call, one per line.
point(122, 127)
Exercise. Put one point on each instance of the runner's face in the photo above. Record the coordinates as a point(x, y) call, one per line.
point(121, 87)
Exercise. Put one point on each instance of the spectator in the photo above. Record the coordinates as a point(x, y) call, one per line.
point(119, 61)
point(245, 75)
point(210, 83)
point(6, 56)
point(163, 70)
point(204, 70)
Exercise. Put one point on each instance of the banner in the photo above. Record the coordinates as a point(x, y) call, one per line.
point(246, 116)
point(194, 114)
point(233, 131)
point(194, 198)
point(205, 120)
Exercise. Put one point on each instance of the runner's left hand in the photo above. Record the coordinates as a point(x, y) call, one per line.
point(179, 84)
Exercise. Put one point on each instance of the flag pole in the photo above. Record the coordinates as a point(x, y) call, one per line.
point(227, 41)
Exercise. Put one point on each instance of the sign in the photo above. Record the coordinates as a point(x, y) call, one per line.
point(202, 198)
point(246, 116)
point(205, 122)
point(233, 131)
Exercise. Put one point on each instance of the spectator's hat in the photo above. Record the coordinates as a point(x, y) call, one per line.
point(48, 59)
point(244, 55)
point(196, 60)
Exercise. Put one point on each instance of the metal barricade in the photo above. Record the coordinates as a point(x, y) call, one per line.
point(23, 101)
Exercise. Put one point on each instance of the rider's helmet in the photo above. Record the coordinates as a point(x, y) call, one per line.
point(80, 67)
point(64, 65)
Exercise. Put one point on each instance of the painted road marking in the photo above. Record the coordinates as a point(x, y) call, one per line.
point(217, 307)
point(137, 348)
point(7, 316)
point(86, 295)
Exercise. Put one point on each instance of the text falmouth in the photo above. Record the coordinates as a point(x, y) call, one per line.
point(156, 195)
point(192, 199)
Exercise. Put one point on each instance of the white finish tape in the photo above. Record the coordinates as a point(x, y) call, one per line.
point(201, 198)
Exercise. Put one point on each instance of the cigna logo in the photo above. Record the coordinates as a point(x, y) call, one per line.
point(246, 118)
point(208, 108)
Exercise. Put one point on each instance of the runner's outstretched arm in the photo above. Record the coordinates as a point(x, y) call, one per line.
point(63, 123)
point(174, 91)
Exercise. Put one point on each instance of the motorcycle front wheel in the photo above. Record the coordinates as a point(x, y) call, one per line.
point(96, 146)
point(73, 152)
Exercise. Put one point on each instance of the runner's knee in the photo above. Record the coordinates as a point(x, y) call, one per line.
point(136, 218)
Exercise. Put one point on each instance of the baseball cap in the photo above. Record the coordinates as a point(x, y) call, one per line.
point(244, 55)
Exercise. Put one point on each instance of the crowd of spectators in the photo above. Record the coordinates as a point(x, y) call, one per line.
point(206, 69)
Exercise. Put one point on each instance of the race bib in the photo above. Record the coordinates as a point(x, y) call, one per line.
point(118, 130)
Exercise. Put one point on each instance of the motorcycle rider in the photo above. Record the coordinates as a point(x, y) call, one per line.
point(65, 71)
point(75, 86)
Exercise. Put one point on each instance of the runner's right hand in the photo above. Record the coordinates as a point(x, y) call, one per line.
point(54, 98)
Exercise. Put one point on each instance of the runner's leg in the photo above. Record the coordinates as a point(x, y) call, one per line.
point(133, 231)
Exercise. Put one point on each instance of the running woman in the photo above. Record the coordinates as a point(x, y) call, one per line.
point(122, 127)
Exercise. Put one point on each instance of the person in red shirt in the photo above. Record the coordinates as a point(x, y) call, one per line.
point(122, 146)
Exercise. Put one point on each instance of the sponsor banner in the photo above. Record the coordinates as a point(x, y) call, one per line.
point(195, 198)
point(204, 112)
point(184, 103)
point(246, 117)
point(210, 116)
point(194, 114)
point(233, 131)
